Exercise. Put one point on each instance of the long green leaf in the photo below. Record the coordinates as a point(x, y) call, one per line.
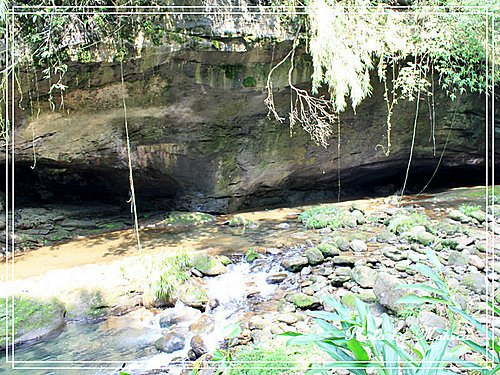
point(430, 273)
point(476, 347)
point(479, 326)
point(389, 355)
point(357, 350)
point(496, 310)
point(433, 359)
point(346, 361)
point(325, 315)
point(423, 288)
point(341, 309)
point(431, 255)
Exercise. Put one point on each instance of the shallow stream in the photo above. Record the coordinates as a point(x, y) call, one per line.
point(128, 340)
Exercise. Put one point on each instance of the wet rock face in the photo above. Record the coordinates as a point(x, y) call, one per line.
point(201, 139)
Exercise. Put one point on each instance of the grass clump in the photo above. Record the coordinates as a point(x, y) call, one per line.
point(167, 273)
point(251, 254)
point(468, 209)
point(404, 222)
point(327, 217)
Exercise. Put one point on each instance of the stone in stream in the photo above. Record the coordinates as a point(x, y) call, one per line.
point(358, 246)
point(340, 276)
point(295, 264)
point(431, 323)
point(314, 256)
point(205, 324)
point(344, 259)
point(328, 249)
point(364, 276)
point(208, 265)
point(276, 278)
point(341, 243)
point(475, 282)
point(457, 258)
point(386, 292)
point(193, 294)
point(387, 237)
point(171, 342)
point(478, 215)
point(477, 262)
point(459, 216)
point(303, 301)
point(198, 346)
point(176, 315)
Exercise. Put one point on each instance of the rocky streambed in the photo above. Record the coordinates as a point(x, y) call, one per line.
point(262, 271)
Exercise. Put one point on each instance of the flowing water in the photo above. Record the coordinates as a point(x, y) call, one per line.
point(104, 347)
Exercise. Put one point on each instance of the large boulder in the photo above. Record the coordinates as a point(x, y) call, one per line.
point(385, 289)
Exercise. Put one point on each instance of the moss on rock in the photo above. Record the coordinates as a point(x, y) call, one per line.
point(33, 319)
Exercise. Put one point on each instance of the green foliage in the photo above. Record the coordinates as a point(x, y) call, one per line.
point(356, 341)
point(249, 82)
point(468, 208)
point(327, 216)
point(403, 222)
point(346, 45)
point(232, 71)
point(483, 343)
point(251, 254)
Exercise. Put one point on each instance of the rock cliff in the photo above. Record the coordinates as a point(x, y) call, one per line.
point(201, 139)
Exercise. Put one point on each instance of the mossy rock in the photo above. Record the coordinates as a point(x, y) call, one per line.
point(188, 218)
point(450, 227)
point(475, 282)
point(425, 238)
point(208, 265)
point(314, 256)
point(342, 243)
point(328, 249)
point(33, 319)
point(193, 295)
point(303, 301)
point(449, 243)
point(403, 222)
point(349, 300)
point(224, 260)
